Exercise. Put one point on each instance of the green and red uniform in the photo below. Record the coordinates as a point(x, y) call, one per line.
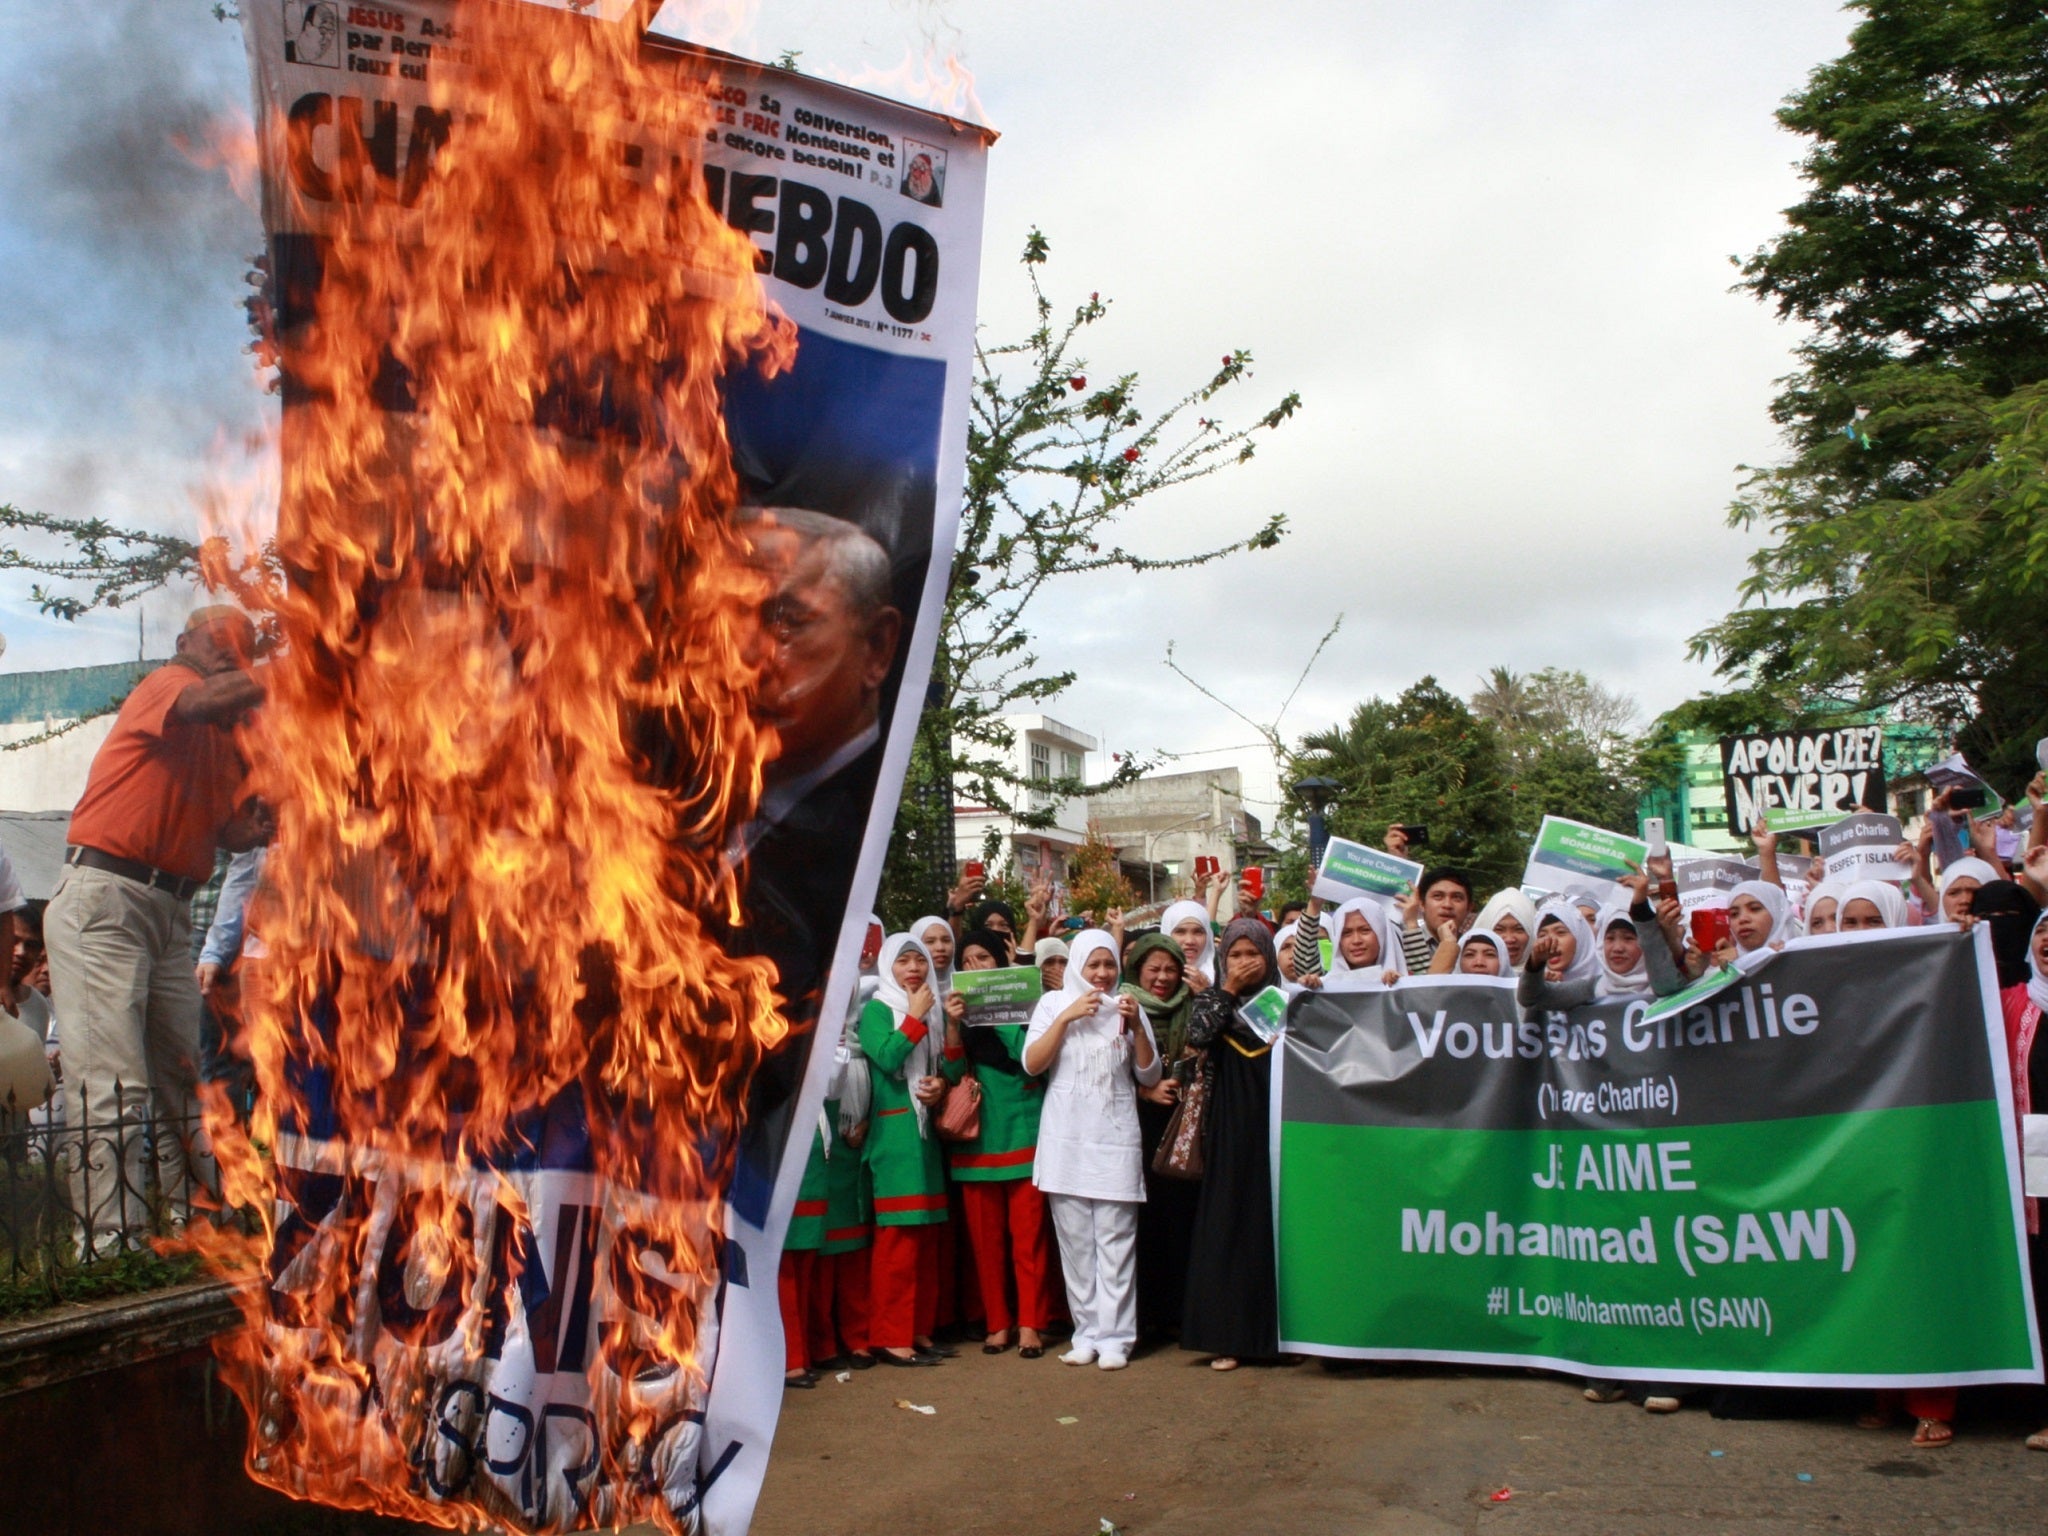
point(908, 1180)
point(1005, 1213)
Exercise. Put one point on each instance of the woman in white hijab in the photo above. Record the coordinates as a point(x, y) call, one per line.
point(1959, 882)
point(936, 935)
point(1824, 906)
point(1095, 1050)
point(908, 1074)
point(1623, 970)
point(1187, 924)
point(1364, 951)
point(1868, 905)
point(1760, 921)
point(1512, 915)
point(1482, 952)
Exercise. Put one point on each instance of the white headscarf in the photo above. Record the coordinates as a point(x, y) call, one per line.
point(1891, 906)
point(1582, 897)
point(1346, 977)
point(942, 980)
point(2037, 980)
point(1186, 911)
point(1634, 982)
point(1830, 889)
point(1511, 903)
point(1783, 925)
point(1975, 869)
point(1585, 952)
point(924, 1056)
point(1486, 936)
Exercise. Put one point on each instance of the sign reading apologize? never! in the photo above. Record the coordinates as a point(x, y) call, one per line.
point(1799, 779)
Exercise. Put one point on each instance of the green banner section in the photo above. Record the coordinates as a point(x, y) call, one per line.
point(1004, 996)
point(1849, 1249)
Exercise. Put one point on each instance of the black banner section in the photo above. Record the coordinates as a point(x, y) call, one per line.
point(1828, 1026)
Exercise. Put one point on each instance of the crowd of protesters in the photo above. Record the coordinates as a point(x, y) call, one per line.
point(1020, 1182)
point(1008, 1180)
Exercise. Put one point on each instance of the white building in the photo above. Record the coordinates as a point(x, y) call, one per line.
point(1045, 749)
point(50, 774)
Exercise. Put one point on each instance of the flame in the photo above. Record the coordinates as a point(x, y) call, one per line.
point(486, 908)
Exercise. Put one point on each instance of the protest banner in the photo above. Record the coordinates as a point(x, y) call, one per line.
point(1568, 853)
point(513, 1395)
point(1863, 847)
point(1350, 870)
point(1707, 882)
point(1802, 779)
point(1003, 996)
point(1761, 1189)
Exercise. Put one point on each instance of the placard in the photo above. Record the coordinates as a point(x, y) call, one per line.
point(1801, 779)
point(1568, 853)
point(1351, 870)
point(1002, 996)
point(1862, 847)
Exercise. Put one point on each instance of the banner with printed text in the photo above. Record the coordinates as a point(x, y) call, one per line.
point(1763, 1187)
point(866, 217)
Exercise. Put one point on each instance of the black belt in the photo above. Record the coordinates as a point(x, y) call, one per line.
point(180, 886)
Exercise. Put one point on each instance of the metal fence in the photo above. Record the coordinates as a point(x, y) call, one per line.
point(86, 1202)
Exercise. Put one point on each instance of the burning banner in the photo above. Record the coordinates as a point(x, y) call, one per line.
point(623, 436)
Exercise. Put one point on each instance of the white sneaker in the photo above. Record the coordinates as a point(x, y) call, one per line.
point(1112, 1362)
point(1080, 1354)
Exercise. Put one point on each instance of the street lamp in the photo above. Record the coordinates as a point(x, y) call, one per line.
point(1152, 838)
point(1316, 794)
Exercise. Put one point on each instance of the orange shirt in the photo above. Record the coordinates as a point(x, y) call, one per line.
point(159, 792)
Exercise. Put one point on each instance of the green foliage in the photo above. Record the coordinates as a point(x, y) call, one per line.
point(1095, 881)
point(1423, 759)
point(1907, 558)
point(1058, 458)
point(1481, 778)
point(120, 564)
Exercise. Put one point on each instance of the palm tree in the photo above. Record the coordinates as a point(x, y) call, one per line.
point(1508, 700)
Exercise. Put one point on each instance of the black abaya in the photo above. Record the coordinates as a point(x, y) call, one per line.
point(1233, 1305)
point(1166, 1226)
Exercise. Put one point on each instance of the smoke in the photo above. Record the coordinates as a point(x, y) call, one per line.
point(121, 261)
point(94, 115)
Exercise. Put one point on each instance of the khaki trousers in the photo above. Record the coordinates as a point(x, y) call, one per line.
point(127, 1007)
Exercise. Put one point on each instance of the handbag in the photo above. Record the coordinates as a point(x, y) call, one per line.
point(959, 1116)
point(1180, 1148)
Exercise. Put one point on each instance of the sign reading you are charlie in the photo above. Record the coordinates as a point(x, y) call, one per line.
point(1799, 779)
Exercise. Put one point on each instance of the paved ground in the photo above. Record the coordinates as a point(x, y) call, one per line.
point(1170, 1447)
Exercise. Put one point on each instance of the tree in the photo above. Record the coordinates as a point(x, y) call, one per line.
point(1096, 883)
point(1423, 759)
point(1057, 460)
point(1906, 567)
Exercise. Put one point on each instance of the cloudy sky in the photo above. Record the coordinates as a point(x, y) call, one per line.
point(1487, 240)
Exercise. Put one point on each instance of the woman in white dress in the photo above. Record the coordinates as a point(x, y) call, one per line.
point(1095, 1050)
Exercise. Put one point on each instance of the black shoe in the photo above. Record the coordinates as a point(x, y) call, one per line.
point(995, 1349)
point(939, 1351)
point(883, 1357)
point(1030, 1351)
point(832, 1363)
point(860, 1362)
point(802, 1382)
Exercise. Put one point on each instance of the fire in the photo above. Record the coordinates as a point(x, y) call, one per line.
point(509, 732)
